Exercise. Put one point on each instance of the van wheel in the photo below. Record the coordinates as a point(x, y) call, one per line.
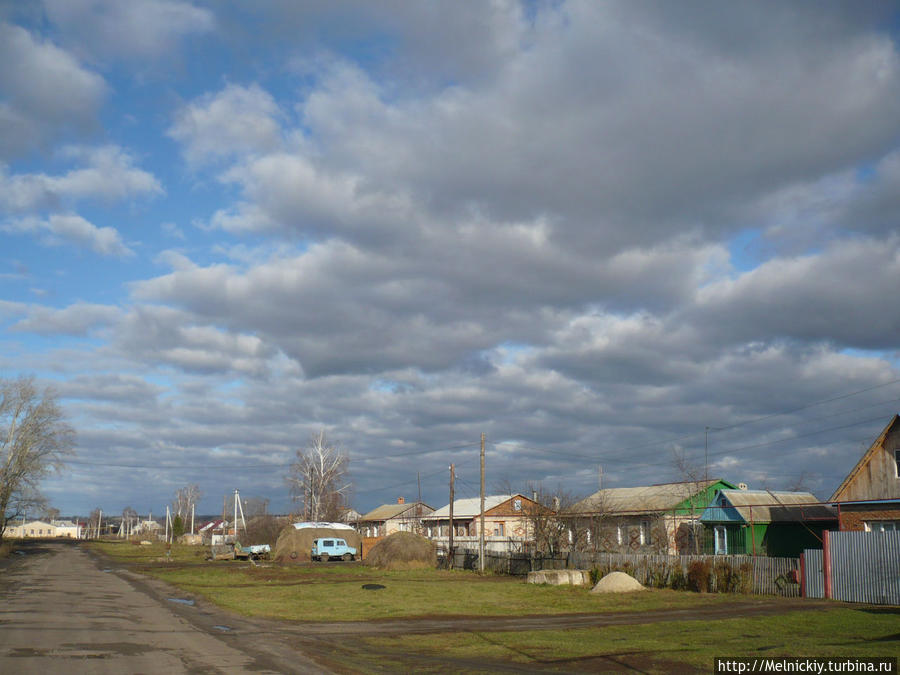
point(348, 557)
point(324, 557)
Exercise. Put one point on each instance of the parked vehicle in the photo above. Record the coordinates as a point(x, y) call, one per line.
point(326, 549)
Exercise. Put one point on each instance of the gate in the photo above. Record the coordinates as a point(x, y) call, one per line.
point(865, 567)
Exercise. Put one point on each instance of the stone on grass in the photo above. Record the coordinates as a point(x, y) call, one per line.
point(559, 577)
point(617, 582)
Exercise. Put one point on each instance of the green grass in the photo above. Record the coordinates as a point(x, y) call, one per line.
point(831, 632)
point(304, 592)
point(333, 592)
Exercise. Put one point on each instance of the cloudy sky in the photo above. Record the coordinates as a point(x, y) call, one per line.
point(589, 230)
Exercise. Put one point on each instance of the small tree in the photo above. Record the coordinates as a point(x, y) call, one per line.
point(177, 526)
point(34, 440)
point(318, 479)
point(551, 523)
point(129, 520)
point(185, 498)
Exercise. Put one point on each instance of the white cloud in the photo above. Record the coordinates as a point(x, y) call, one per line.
point(79, 319)
point(137, 29)
point(109, 175)
point(236, 121)
point(46, 93)
point(72, 228)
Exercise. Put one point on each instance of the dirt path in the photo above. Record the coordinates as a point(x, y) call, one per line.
point(66, 610)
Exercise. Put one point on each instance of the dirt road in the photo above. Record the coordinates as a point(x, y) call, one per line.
point(64, 610)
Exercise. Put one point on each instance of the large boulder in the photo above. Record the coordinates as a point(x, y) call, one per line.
point(559, 577)
point(402, 551)
point(294, 543)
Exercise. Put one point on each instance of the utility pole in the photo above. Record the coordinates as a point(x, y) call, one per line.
point(450, 544)
point(706, 455)
point(192, 518)
point(600, 477)
point(481, 517)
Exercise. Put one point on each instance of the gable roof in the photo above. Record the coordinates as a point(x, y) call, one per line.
point(660, 497)
point(388, 511)
point(469, 508)
point(864, 460)
point(766, 506)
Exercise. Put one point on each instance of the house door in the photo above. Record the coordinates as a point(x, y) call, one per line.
point(721, 540)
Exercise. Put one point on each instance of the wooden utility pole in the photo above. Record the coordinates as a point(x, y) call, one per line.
point(481, 517)
point(450, 544)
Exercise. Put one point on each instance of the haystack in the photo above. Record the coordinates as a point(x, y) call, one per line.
point(402, 551)
point(294, 544)
point(617, 582)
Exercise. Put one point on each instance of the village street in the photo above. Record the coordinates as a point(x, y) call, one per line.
point(63, 612)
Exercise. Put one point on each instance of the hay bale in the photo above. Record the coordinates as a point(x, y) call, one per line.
point(618, 582)
point(294, 545)
point(402, 551)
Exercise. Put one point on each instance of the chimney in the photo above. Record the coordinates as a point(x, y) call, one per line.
point(400, 500)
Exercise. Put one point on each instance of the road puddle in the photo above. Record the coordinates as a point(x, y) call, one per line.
point(182, 601)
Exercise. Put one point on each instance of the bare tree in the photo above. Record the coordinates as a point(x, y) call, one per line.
point(34, 440)
point(129, 520)
point(185, 498)
point(551, 523)
point(318, 479)
point(50, 514)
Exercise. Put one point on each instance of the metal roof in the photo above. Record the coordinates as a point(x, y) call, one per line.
point(469, 508)
point(661, 497)
point(388, 511)
point(766, 506)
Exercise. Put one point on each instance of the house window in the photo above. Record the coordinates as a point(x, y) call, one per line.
point(502, 528)
point(645, 532)
point(897, 462)
point(619, 534)
point(883, 526)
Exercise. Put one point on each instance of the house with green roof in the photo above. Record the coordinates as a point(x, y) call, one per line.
point(660, 518)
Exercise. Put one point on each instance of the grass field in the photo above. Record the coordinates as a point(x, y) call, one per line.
point(841, 632)
point(304, 592)
point(299, 592)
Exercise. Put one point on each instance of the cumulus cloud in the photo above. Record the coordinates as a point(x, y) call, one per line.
point(46, 93)
point(138, 29)
point(79, 319)
point(61, 228)
point(236, 121)
point(108, 174)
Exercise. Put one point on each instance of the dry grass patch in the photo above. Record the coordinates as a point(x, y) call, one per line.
point(403, 551)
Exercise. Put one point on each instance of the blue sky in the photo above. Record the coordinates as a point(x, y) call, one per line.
point(587, 229)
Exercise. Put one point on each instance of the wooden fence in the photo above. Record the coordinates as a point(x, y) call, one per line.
point(769, 576)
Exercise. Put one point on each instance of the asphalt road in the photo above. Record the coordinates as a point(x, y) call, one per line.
point(62, 611)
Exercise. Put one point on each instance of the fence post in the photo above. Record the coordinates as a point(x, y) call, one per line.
point(803, 575)
point(826, 563)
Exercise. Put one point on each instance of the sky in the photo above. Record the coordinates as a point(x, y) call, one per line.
point(604, 234)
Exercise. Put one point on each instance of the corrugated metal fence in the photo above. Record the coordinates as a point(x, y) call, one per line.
point(770, 576)
point(865, 567)
point(814, 580)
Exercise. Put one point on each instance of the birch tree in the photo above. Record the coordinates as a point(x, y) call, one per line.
point(34, 441)
point(318, 479)
point(185, 498)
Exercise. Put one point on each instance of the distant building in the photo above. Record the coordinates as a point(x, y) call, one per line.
point(64, 529)
point(389, 518)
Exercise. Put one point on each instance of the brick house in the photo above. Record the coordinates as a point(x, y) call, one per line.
point(868, 499)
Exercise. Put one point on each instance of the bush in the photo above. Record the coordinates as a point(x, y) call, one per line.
point(678, 581)
point(699, 576)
